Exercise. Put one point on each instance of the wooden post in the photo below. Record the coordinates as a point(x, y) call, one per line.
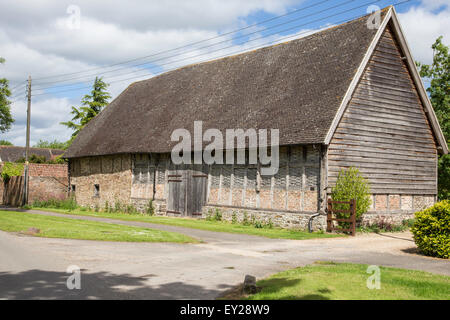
point(329, 215)
point(27, 148)
point(353, 213)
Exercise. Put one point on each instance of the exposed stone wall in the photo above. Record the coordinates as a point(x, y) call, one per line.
point(112, 174)
point(289, 220)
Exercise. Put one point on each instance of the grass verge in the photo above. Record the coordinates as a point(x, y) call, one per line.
point(57, 227)
point(345, 281)
point(218, 226)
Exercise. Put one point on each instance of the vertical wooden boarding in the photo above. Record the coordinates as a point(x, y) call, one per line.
point(177, 191)
point(197, 185)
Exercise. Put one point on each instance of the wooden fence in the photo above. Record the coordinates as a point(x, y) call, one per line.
point(331, 213)
point(13, 192)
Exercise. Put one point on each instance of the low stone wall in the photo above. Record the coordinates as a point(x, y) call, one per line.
point(285, 219)
point(391, 218)
point(141, 205)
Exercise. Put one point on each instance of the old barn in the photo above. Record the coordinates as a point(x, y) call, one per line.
point(346, 96)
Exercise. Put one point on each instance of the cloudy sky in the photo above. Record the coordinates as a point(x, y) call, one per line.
point(63, 44)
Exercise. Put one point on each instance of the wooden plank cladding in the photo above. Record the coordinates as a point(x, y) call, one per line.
point(384, 131)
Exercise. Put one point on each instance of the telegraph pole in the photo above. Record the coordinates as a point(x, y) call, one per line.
point(27, 147)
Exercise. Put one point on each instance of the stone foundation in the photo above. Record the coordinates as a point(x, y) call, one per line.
point(141, 204)
point(288, 220)
point(392, 218)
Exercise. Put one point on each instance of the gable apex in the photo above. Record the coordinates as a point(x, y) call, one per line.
point(391, 20)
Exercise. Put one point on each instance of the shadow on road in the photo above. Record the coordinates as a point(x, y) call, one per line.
point(38, 284)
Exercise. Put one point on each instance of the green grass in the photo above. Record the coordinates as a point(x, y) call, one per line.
point(57, 227)
point(218, 226)
point(344, 281)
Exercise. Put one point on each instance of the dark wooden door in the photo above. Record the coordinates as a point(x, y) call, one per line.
point(196, 190)
point(187, 190)
point(176, 201)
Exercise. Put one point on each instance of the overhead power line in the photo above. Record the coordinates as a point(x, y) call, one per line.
point(235, 52)
point(210, 52)
point(194, 49)
point(193, 43)
point(216, 57)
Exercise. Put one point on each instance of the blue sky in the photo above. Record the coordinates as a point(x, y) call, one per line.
point(43, 39)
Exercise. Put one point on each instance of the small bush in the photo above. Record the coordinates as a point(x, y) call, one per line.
point(431, 230)
point(351, 185)
point(234, 219)
point(218, 215)
point(258, 224)
point(150, 210)
point(245, 220)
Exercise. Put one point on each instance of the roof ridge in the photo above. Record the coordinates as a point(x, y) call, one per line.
point(309, 36)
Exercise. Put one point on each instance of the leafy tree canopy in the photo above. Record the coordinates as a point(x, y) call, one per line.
point(439, 74)
point(55, 144)
point(6, 118)
point(5, 143)
point(91, 105)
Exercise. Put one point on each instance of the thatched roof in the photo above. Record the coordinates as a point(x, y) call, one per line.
point(296, 87)
point(13, 153)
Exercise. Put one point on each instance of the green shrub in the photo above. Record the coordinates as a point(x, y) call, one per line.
point(431, 230)
point(150, 210)
point(245, 220)
point(351, 185)
point(234, 219)
point(11, 169)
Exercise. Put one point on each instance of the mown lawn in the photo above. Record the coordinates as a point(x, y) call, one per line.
point(344, 281)
point(57, 227)
point(218, 226)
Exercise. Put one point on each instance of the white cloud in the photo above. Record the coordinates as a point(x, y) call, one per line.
point(35, 39)
point(422, 26)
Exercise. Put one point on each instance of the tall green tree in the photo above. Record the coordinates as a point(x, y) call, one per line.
point(6, 118)
point(439, 74)
point(5, 143)
point(55, 144)
point(91, 105)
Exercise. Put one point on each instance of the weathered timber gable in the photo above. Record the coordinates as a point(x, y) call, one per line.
point(384, 131)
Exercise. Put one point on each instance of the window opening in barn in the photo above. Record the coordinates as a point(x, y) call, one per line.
point(96, 190)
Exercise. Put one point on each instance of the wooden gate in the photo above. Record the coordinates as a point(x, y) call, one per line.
point(187, 190)
point(13, 192)
point(352, 220)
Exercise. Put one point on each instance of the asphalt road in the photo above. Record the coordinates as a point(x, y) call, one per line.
point(35, 268)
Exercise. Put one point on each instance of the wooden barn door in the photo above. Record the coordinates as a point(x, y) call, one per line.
point(187, 190)
point(196, 190)
point(176, 201)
